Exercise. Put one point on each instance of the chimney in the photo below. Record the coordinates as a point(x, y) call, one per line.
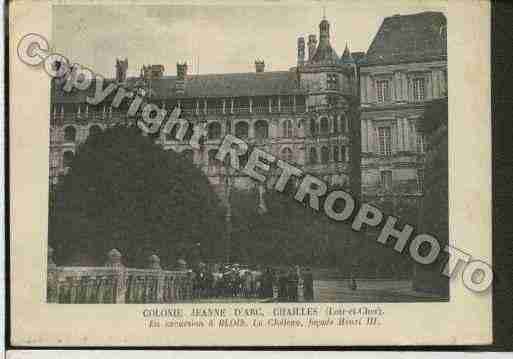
point(259, 66)
point(301, 51)
point(312, 45)
point(181, 70)
point(121, 69)
point(181, 74)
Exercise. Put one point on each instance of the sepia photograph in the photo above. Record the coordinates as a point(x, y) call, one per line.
point(153, 218)
point(250, 173)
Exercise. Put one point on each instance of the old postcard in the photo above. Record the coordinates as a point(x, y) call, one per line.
point(271, 173)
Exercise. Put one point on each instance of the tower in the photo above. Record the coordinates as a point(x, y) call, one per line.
point(259, 66)
point(301, 51)
point(121, 69)
point(181, 74)
point(324, 31)
point(312, 45)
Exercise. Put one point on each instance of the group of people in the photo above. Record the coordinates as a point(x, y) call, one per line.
point(235, 280)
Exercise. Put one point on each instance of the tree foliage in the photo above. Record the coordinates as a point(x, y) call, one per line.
point(124, 191)
point(287, 233)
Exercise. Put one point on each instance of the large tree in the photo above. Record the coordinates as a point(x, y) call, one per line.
point(287, 232)
point(434, 214)
point(124, 191)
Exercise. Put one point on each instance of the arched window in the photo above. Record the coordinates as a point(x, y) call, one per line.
point(325, 126)
point(443, 38)
point(94, 130)
point(287, 128)
point(188, 154)
point(313, 155)
point(313, 127)
point(214, 130)
point(70, 134)
point(286, 154)
point(261, 129)
point(212, 157)
point(325, 154)
point(68, 158)
point(242, 129)
point(336, 157)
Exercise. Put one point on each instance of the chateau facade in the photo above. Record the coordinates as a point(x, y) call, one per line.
point(349, 119)
point(404, 68)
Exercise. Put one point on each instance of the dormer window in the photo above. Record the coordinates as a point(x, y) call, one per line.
point(332, 82)
point(443, 38)
point(383, 90)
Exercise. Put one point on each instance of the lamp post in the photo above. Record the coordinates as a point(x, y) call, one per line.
point(228, 215)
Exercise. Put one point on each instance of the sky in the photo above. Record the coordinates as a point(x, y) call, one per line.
point(216, 36)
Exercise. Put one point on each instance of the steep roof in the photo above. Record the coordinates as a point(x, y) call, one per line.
point(324, 54)
point(209, 85)
point(408, 38)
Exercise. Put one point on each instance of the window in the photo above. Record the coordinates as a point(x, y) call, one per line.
point(336, 157)
point(214, 130)
point(228, 126)
point(445, 83)
point(332, 101)
point(383, 91)
point(94, 130)
point(325, 154)
point(386, 180)
point(325, 126)
point(443, 38)
point(54, 160)
point(68, 158)
point(420, 143)
point(313, 127)
point(419, 90)
point(343, 124)
point(420, 180)
point(313, 155)
point(332, 82)
point(70, 134)
point(385, 141)
point(343, 153)
point(287, 128)
point(241, 129)
point(286, 154)
point(261, 129)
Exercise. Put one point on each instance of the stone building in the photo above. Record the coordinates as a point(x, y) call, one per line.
point(304, 115)
point(404, 68)
point(340, 117)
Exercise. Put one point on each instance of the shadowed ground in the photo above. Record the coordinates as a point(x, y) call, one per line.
point(369, 290)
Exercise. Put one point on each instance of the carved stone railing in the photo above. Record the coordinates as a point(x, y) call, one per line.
point(114, 283)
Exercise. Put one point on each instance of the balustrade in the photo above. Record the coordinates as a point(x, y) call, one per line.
point(114, 283)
